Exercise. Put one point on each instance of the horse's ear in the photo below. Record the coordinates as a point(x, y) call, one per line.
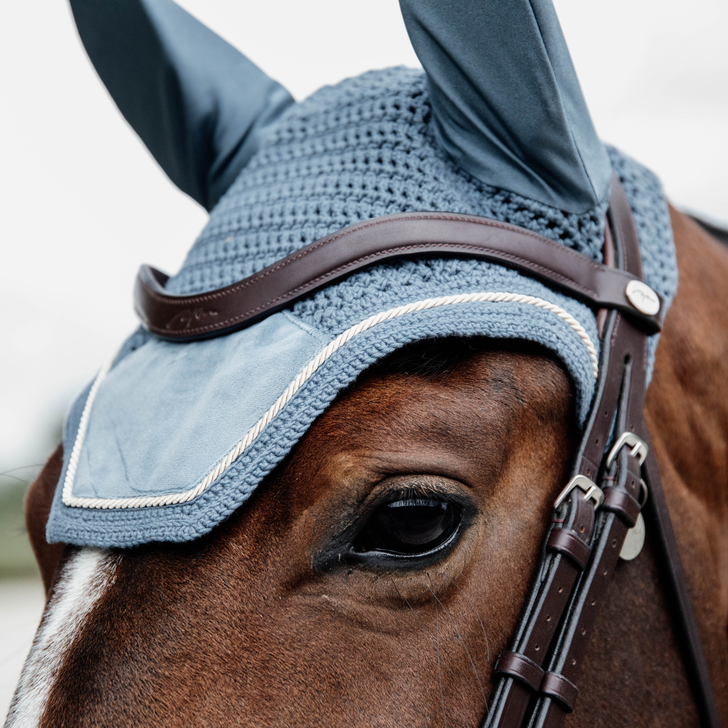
point(196, 102)
point(38, 503)
point(506, 102)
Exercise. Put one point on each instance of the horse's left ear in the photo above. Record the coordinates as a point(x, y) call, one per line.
point(506, 103)
point(197, 103)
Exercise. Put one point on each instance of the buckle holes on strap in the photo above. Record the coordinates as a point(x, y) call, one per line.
point(561, 588)
point(548, 618)
point(614, 543)
point(583, 631)
point(581, 529)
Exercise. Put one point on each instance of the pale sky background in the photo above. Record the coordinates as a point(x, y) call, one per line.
point(83, 203)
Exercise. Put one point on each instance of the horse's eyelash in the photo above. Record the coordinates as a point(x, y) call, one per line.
point(416, 491)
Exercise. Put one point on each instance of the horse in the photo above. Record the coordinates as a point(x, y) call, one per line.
point(286, 613)
point(260, 624)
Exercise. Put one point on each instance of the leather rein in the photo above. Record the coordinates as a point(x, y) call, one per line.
point(614, 477)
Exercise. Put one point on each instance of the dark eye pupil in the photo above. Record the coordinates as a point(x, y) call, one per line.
point(409, 527)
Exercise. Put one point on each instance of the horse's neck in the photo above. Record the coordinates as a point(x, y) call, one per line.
point(687, 409)
point(687, 402)
point(687, 416)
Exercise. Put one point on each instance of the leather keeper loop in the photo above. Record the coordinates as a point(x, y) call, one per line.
point(559, 688)
point(521, 668)
point(565, 542)
point(623, 504)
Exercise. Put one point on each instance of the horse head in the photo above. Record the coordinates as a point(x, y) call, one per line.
point(364, 552)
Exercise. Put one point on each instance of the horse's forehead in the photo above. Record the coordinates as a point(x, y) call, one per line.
point(459, 422)
point(408, 398)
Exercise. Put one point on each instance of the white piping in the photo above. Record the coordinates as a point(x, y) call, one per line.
point(162, 500)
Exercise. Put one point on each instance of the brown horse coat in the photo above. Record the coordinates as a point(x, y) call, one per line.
point(262, 623)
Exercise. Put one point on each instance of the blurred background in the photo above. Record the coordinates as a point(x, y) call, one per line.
point(83, 203)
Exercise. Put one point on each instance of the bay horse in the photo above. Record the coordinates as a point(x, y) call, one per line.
point(260, 623)
point(293, 611)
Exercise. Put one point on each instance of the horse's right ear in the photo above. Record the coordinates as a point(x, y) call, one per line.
point(197, 103)
point(506, 103)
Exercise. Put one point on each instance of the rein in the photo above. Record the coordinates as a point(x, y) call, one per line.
point(598, 515)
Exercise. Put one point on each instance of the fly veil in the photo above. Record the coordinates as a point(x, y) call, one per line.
point(392, 207)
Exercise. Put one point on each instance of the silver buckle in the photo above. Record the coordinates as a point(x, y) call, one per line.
point(591, 491)
point(638, 445)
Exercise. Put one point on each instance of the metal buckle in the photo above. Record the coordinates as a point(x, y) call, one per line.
point(638, 445)
point(591, 491)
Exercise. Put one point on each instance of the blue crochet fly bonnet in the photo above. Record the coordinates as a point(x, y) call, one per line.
point(171, 438)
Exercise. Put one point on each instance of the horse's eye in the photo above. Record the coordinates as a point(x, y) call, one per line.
point(412, 527)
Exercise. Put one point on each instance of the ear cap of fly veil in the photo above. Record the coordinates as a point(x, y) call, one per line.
point(173, 437)
point(198, 104)
point(506, 102)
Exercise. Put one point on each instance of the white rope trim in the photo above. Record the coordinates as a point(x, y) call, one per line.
point(162, 500)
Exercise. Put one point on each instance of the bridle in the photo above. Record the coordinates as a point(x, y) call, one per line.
point(614, 475)
point(590, 525)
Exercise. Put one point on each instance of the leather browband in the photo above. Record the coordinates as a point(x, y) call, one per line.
point(185, 318)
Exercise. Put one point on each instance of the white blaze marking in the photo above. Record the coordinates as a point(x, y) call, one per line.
point(84, 579)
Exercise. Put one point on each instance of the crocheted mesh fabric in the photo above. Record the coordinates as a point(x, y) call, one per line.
point(351, 152)
point(363, 149)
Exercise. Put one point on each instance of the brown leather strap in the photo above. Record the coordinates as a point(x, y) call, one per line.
point(657, 517)
point(622, 342)
point(376, 241)
point(621, 388)
point(551, 713)
point(566, 542)
point(589, 594)
point(543, 611)
point(624, 383)
point(623, 504)
point(569, 655)
point(521, 668)
point(617, 514)
point(558, 687)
